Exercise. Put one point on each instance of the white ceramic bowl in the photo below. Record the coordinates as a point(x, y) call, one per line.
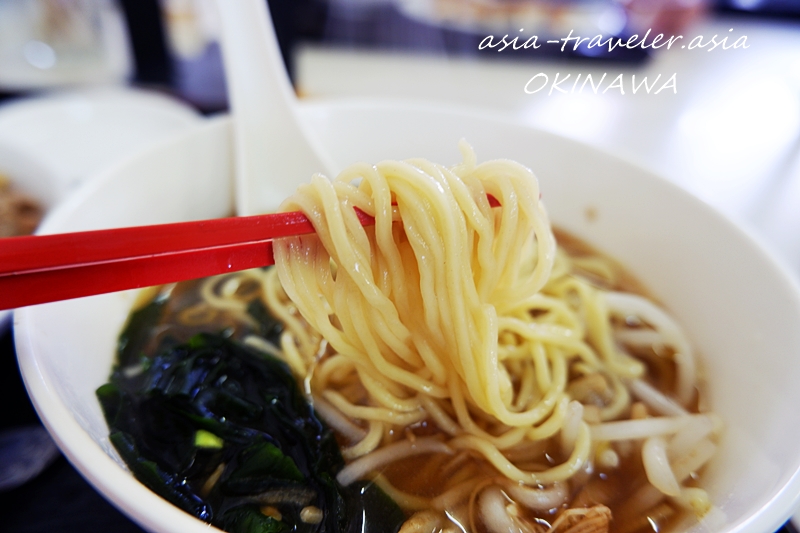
point(73, 134)
point(739, 307)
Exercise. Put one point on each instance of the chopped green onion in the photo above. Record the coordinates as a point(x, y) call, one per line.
point(206, 439)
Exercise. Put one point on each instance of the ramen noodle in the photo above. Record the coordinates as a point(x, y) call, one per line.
point(483, 376)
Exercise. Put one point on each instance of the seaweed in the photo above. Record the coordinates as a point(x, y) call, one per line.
point(132, 340)
point(223, 432)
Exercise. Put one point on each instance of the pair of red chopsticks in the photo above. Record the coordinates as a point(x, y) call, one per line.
point(49, 268)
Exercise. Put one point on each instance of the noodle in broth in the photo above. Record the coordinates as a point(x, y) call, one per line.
point(484, 377)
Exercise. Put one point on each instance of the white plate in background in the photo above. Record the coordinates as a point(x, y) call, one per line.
point(50, 144)
point(76, 134)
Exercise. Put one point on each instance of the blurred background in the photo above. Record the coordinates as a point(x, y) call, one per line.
point(84, 83)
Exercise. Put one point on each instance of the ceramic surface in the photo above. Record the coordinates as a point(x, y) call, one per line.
point(732, 298)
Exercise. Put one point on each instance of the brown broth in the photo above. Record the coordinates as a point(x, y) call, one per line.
point(612, 487)
point(19, 213)
point(428, 476)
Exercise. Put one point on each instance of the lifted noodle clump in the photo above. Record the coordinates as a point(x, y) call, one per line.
point(456, 334)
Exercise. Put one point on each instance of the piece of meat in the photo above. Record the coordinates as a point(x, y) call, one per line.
point(594, 519)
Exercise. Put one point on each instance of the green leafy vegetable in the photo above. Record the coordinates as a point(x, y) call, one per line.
point(263, 461)
point(163, 483)
point(249, 519)
point(223, 432)
point(270, 328)
point(133, 338)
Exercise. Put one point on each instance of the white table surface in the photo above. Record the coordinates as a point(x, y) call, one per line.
point(730, 135)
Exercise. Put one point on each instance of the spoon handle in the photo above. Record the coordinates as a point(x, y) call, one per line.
point(270, 139)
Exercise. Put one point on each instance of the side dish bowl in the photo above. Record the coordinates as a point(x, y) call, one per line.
point(738, 306)
point(33, 179)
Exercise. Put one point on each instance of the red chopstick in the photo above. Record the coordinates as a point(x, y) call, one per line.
point(49, 268)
